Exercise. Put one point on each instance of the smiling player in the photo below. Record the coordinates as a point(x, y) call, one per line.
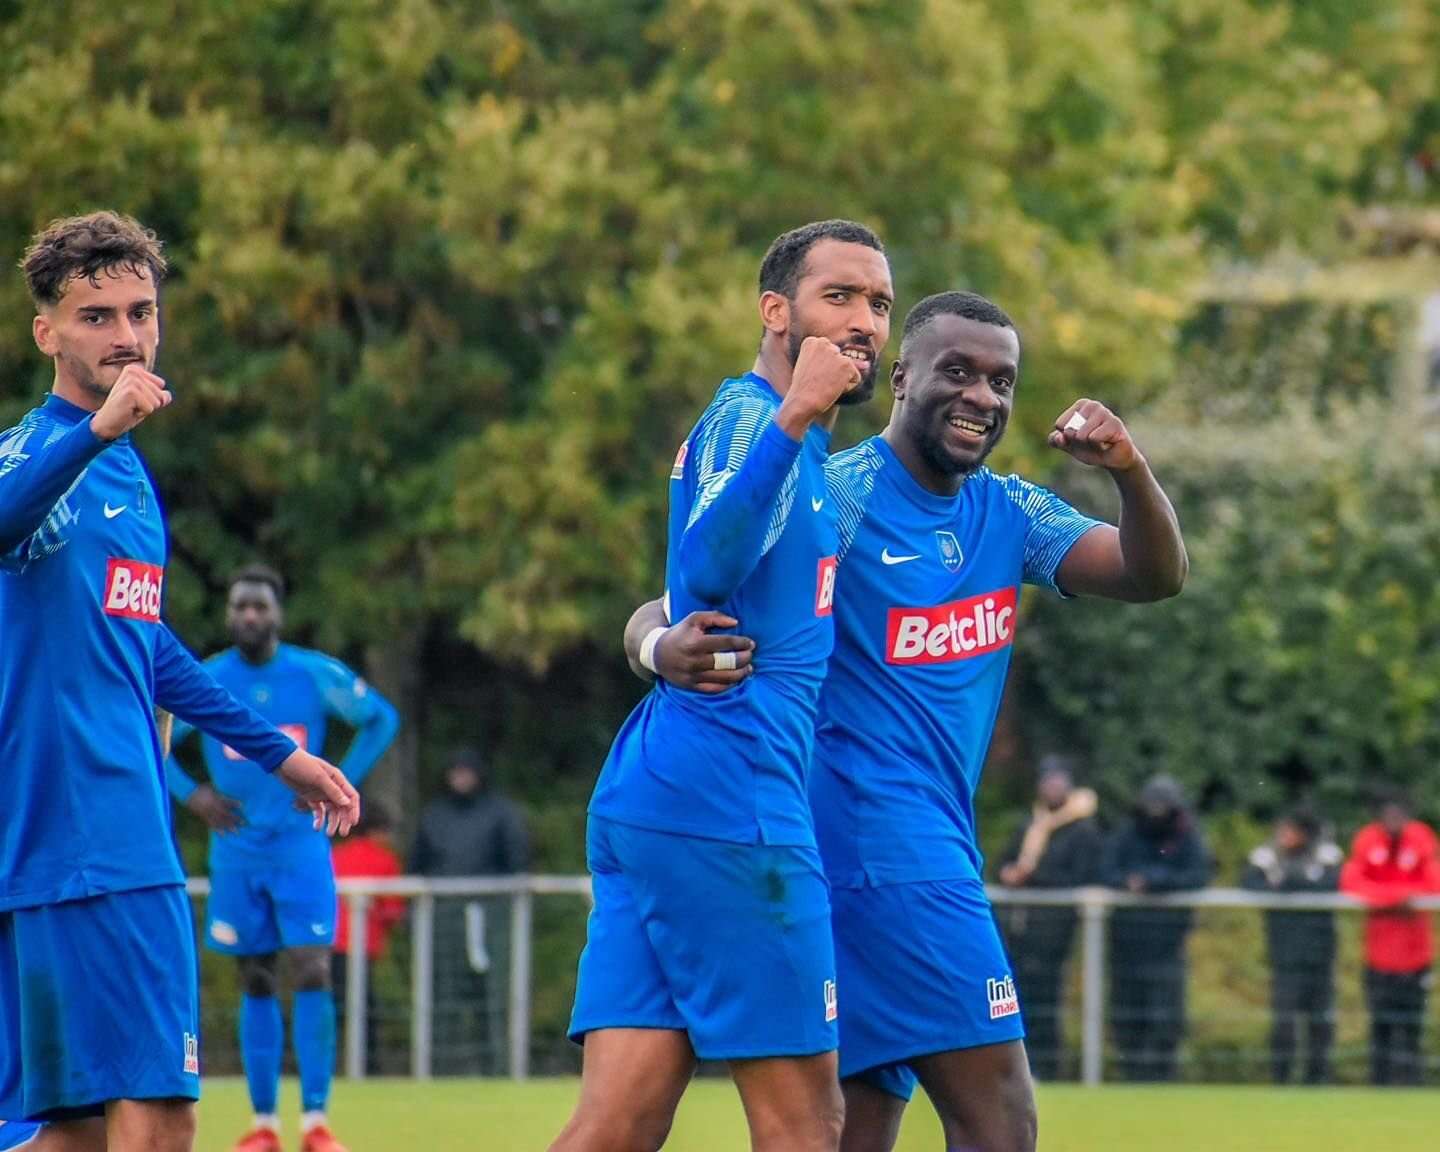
point(933, 549)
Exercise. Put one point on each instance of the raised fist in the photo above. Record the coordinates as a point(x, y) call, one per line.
point(136, 395)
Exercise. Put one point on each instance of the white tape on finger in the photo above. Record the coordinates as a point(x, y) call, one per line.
point(1075, 423)
point(724, 661)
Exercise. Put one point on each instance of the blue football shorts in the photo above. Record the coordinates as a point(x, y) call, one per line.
point(17, 1134)
point(924, 971)
point(261, 904)
point(98, 1002)
point(727, 942)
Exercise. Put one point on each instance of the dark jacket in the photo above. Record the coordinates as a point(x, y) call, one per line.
point(1171, 856)
point(1071, 859)
point(1297, 939)
point(479, 835)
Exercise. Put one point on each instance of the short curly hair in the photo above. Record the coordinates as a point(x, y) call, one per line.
point(784, 262)
point(968, 305)
point(261, 574)
point(87, 246)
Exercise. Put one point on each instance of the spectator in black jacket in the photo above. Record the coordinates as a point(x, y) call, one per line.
point(1160, 851)
point(1300, 945)
point(1060, 846)
point(470, 830)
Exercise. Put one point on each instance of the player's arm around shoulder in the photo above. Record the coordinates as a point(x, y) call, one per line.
point(689, 654)
point(1143, 558)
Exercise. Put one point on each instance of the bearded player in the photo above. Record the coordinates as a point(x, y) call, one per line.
point(701, 803)
point(98, 997)
point(934, 548)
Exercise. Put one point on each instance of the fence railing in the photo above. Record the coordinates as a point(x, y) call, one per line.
point(1093, 906)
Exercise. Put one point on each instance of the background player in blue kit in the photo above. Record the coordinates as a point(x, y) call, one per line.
point(933, 549)
point(272, 883)
point(701, 804)
point(98, 1001)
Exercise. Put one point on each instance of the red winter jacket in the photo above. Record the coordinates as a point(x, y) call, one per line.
point(1384, 872)
point(367, 857)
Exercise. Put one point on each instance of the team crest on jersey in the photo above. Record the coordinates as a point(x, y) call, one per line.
point(950, 554)
point(1002, 997)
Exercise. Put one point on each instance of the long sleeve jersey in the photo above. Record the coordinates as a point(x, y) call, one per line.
point(751, 532)
point(84, 660)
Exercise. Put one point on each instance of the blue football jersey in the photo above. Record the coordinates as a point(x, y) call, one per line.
point(298, 690)
point(926, 609)
point(84, 659)
point(751, 532)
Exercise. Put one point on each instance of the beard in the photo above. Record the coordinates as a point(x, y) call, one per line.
point(931, 442)
point(862, 392)
point(86, 375)
point(89, 376)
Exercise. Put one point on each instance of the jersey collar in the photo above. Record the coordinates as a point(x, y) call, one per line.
point(62, 411)
point(911, 488)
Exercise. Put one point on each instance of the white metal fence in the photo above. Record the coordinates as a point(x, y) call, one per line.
point(1092, 905)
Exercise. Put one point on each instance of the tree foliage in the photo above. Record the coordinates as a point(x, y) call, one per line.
point(452, 278)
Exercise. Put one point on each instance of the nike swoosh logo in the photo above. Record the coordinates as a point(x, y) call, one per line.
point(816, 505)
point(111, 513)
point(886, 558)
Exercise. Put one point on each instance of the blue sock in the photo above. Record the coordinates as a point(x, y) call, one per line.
point(314, 1024)
point(262, 1044)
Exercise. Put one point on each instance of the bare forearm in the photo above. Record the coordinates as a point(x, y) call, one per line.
point(643, 621)
point(1150, 540)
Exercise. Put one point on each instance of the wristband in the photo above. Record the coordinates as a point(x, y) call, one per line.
point(647, 648)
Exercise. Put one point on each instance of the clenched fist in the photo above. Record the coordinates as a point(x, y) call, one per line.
point(137, 394)
point(1094, 435)
point(822, 375)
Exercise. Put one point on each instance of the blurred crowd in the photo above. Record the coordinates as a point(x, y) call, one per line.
point(1159, 847)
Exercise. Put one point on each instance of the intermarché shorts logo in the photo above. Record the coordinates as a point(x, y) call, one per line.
point(1002, 997)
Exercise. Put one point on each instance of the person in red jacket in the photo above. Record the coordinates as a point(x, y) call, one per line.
point(367, 854)
point(1392, 861)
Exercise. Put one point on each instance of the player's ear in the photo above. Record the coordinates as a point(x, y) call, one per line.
point(897, 380)
point(44, 333)
point(775, 312)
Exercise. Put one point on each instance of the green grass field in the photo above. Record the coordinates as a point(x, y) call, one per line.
point(497, 1116)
